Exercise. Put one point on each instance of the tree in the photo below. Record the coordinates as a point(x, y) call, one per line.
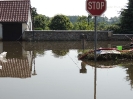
point(33, 15)
point(34, 11)
point(101, 26)
point(127, 18)
point(83, 24)
point(41, 22)
point(114, 20)
point(73, 19)
point(60, 22)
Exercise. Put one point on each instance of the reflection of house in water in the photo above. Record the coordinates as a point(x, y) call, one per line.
point(19, 62)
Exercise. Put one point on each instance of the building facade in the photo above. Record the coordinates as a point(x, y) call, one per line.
point(15, 18)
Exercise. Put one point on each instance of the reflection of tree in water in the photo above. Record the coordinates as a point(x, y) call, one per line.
point(84, 51)
point(39, 53)
point(58, 53)
point(129, 72)
point(130, 75)
point(127, 64)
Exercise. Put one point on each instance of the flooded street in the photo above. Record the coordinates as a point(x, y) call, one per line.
point(51, 70)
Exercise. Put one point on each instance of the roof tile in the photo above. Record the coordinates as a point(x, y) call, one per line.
point(14, 10)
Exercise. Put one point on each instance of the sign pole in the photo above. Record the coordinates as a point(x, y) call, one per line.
point(95, 36)
point(95, 8)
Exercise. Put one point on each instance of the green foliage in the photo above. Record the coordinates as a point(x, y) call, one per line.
point(38, 29)
point(33, 14)
point(102, 19)
point(73, 19)
point(127, 18)
point(114, 20)
point(82, 24)
point(34, 11)
point(114, 28)
point(41, 22)
point(108, 24)
point(101, 26)
point(60, 22)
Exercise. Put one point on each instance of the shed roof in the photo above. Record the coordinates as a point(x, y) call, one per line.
point(14, 10)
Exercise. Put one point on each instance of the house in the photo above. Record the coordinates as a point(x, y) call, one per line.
point(15, 18)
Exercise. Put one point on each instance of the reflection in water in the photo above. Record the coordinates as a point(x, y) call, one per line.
point(108, 64)
point(34, 71)
point(84, 70)
point(58, 53)
point(104, 64)
point(129, 77)
point(95, 79)
point(129, 71)
point(18, 61)
point(17, 68)
point(83, 67)
point(55, 75)
point(3, 57)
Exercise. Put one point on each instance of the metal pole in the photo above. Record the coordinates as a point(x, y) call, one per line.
point(95, 71)
point(95, 36)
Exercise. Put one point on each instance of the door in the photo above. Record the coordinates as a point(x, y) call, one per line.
point(12, 31)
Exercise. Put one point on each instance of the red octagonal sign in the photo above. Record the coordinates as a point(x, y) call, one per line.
point(96, 7)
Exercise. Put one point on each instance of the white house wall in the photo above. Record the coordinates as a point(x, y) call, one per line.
point(1, 36)
point(27, 26)
point(29, 23)
point(24, 27)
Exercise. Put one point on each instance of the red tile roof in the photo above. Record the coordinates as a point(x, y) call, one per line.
point(14, 10)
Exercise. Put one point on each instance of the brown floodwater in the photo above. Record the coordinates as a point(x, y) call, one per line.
point(51, 70)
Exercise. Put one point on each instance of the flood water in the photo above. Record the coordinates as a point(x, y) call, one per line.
point(51, 70)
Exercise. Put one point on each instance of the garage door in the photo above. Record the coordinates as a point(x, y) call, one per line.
point(12, 31)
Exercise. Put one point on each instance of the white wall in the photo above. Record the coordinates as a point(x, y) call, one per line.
point(1, 36)
point(29, 23)
point(27, 26)
point(24, 27)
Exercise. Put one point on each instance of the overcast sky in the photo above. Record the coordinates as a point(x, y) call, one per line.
point(74, 7)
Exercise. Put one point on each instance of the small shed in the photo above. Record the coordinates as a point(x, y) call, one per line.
point(15, 18)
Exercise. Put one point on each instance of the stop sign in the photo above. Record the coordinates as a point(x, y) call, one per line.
point(96, 7)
